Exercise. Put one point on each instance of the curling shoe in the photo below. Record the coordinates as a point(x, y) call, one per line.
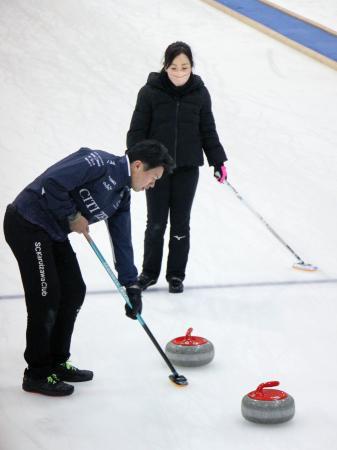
point(68, 372)
point(176, 285)
point(50, 385)
point(144, 281)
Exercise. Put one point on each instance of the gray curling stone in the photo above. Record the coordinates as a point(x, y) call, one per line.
point(268, 405)
point(190, 351)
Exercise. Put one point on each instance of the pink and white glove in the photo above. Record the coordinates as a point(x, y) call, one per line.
point(220, 173)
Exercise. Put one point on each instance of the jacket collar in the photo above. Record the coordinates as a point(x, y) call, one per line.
point(126, 171)
point(161, 81)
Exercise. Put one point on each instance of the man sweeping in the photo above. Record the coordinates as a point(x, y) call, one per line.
point(85, 187)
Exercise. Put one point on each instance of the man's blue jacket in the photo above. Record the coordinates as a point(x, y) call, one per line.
point(93, 182)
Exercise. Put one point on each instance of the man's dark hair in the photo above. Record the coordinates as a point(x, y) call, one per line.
point(152, 153)
point(175, 49)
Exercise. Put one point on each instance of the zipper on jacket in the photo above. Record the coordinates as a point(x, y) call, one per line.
point(176, 133)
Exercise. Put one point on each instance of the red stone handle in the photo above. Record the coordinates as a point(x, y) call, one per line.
point(267, 384)
point(189, 332)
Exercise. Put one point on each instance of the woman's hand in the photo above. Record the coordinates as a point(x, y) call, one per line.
point(220, 172)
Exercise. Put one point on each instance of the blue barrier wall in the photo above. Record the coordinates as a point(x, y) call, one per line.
point(291, 27)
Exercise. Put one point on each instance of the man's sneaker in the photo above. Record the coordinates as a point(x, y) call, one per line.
point(51, 385)
point(176, 285)
point(144, 281)
point(68, 372)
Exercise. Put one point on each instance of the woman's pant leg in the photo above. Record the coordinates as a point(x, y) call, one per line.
point(183, 187)
point(157, 200)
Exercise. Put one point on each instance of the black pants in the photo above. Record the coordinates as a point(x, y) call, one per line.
point(174, 194)
point(54, 292)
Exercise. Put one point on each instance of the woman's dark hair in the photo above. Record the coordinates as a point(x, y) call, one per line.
point(152, 153)
point(175, 49)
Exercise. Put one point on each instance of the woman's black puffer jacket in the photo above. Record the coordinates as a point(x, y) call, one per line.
point(179, 117)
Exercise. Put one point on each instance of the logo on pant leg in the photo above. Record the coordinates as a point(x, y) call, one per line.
point(39, 256)
point(179, 237)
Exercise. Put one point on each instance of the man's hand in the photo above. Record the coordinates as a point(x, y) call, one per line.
point(135, 296)
point(78, 223)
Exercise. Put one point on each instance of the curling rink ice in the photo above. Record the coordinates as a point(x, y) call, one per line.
point(70, 73)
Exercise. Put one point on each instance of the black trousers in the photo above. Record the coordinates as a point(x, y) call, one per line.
point(54, 292)
point(172, 194)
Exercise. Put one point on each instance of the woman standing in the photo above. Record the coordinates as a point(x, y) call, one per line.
point(174, 107)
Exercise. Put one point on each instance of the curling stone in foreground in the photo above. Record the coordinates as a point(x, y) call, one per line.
point(190, 351)
point(268, 405)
